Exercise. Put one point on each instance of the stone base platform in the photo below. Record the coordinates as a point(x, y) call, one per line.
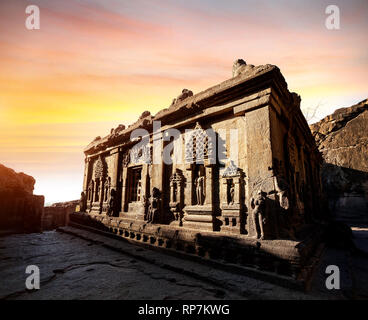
point(285, 262)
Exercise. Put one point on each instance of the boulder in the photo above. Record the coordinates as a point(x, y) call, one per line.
point(20, 210)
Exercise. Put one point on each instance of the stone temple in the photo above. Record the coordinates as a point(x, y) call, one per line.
point(243, 187)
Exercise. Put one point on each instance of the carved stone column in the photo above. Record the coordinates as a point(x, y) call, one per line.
point(124, 197)
point(209, 184)
point(189, 187)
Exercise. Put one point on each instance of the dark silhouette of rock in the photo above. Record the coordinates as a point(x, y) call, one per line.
point(342, 137)
point(20, 210)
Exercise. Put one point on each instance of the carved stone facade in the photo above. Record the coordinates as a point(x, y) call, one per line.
point(268, 189)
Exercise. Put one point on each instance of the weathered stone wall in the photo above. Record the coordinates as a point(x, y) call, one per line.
point(57, 215)
point(342, 137)
point(20, 210)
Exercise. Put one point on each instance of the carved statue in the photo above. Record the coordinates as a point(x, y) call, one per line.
point(199, 186)
point(232, 193)
point(176, 194)
point(240, 66)
point(112, 203)
point(185, 93)
point(259, 214)
point(83, 202)
point(154, 206)
point(282, 189)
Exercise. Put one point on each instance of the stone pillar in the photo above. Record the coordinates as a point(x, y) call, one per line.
point(189, 187)
point(124, 196)
point(101, 193)
point(114, 169)
point(208, 200)
point(86, 174)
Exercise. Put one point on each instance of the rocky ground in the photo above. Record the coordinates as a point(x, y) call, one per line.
point(96, 267)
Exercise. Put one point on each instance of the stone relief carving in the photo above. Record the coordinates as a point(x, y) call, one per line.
point(154, 206)
point(141, 155)
point(231, 170)
point(126, 159)
point(200, 189)
point(259, 214)
point(107, 186)
point(90, 191)
point(83, 202)
point(99, 168)
point(184, 94)
point(230, 200)
point(282, 190)
point(112, 206)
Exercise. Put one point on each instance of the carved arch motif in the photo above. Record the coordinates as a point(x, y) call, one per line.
point(100, 168)
point(199, 146)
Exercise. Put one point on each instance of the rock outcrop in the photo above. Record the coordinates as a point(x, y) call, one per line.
point(20, 210)
point(342, 137)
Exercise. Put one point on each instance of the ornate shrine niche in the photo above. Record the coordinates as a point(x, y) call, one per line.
point(99, 179)
point(107, 187)
point(199, 184)
point(232, 199)
point(199, 192)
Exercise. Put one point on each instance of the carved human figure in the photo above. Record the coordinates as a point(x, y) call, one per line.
point(83, 202)
point(259, 214)
point(154, 206)
point(232, 193)
point(282, 188)
point(199, 186)
point(112, 203)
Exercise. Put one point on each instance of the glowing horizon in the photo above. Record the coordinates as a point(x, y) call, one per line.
point(95, 64)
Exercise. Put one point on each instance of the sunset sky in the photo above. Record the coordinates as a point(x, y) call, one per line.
point(98, 63)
